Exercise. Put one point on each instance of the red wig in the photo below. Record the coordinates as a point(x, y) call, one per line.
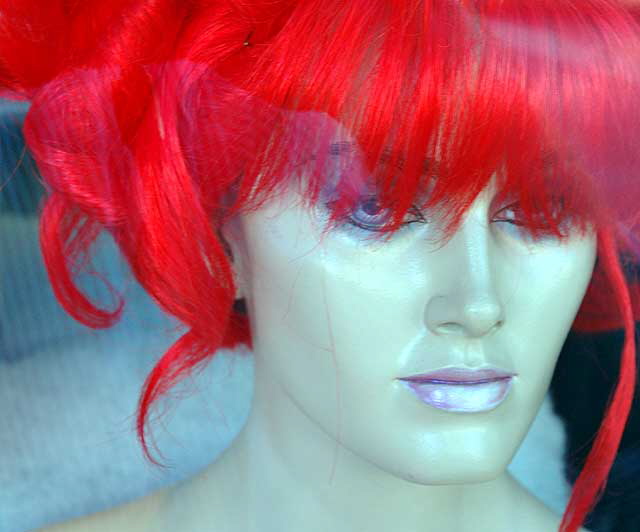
point(158, 120)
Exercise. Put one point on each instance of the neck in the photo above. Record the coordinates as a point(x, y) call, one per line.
point(283, 472)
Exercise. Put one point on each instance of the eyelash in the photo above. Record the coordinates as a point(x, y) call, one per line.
point(420, 218)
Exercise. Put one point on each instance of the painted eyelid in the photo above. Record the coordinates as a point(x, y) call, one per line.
point(512, 207)
point(544, 232)
point(420, 219)
point(507, 208)
point(372, 228)
point(414, 209)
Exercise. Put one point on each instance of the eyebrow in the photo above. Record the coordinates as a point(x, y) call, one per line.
point(342, 147)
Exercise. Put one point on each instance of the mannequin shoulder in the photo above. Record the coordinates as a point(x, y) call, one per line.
point(136, 516)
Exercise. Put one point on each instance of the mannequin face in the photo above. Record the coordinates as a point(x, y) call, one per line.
point(342, 316)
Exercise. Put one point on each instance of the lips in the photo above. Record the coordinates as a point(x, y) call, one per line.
point(464, 390)
point(459, 375)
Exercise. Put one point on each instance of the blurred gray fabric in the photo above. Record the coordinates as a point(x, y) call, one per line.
point(68, 396)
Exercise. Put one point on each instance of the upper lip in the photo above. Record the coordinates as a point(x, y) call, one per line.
point(459, 375)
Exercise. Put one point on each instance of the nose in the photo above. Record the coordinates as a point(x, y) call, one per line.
point(465, 301)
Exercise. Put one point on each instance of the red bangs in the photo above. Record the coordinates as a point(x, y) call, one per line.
point(522, 91)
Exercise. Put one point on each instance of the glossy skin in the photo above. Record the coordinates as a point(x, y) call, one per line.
point(337, 319)
point(342, 319)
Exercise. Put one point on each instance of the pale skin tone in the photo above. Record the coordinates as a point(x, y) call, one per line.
point(333, 441)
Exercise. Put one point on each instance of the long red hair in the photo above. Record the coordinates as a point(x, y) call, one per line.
point(158, 120)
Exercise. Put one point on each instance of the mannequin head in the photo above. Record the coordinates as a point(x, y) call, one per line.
point(348, 171)
point(337, 317)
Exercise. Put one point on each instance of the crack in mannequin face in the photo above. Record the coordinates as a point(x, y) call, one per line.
point(338, 317)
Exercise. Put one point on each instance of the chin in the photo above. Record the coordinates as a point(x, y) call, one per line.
point(465, 471)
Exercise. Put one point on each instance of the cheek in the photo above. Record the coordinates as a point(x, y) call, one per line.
point(545, 305)
point(327, 328)
point(287, 302)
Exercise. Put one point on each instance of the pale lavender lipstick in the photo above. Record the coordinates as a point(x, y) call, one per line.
point(461, 389)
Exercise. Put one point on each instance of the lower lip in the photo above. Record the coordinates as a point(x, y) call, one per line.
point(479, 397)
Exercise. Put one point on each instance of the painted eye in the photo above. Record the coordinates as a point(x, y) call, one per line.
point(513, 208)
point(370, 215)
point(516, 220)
